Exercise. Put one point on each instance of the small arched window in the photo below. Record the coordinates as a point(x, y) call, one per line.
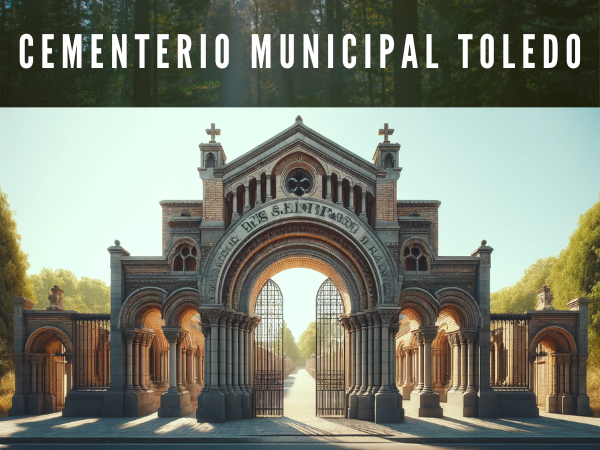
point(210, 161)
point(185, 260)
point(415, 259)
point(389, 161)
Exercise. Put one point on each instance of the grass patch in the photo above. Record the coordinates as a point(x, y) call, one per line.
point(7, 390)
point(593, 389)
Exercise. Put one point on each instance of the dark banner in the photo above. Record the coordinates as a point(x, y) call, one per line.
point(299, 53)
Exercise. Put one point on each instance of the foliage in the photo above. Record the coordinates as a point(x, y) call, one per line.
point(7, 390)
point(593, 389)
point(84, 295)
point(308, 341)
point(13, 282)
point(575, 272)
point(290, 347)
point(521, 296)
point(240, 85)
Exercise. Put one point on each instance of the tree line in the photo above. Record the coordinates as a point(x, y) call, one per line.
point(240, 85)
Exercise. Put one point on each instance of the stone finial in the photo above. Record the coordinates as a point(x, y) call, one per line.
point(544, 299)
point(483, 243)
point(298, 118)
point(56, 300)
point(117, 242)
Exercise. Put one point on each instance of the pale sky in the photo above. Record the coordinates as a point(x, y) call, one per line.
point(80, 178)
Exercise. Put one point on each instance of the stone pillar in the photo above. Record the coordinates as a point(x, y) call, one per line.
point(552, 398)
point(328, 191)
point(144, 349)
point(363, 205)
point(190, 372)
point(356, 349)
point(222, 358)
point(235, 332)
point(420, 372)
point(137, 339)
point(19, 400)
point(269, 196)
point(247, 197)
point(428, 338)
point(366, 400)
point(463, 363)
point(351, 198)
point(370, 351)
point(173, 362)
point(235, 215)
point(388, 401)
point(425, 402)
point(340, 197)
point(129, 340)
point(377, 354)
point(258, 199)
point(454, 345)
point(470, 337)
point(34, 385)
point(211, 401)
point(233, 400)
point(582, 402)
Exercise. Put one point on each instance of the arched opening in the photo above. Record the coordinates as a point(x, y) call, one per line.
point(370, 209)
point(48, 370)
point(346, 193)
point(358, 192)
point(210, 161)
point(263, 187)
point(389, 161)
point(241, 199)
point(334, 188)
point(228, 209)
point(253, 193)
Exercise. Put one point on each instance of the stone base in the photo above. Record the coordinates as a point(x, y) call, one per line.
point(405, 390)
point(174, 403)
point(460, 404)
point(582, 402)
point(18, 406)
point(139, 403)
point(387, 409)
point(211, 407)
point(84, 404)
point(113, 403)
point(246, 405)
point(567, 404)
point(552, 403)
point(442, 392)
point(487, 404)
point(49, 403)
point(517, 404)
point(352, 406)
point(366, 407)
point(35, 404)
point(233, 406)
point(425, 404)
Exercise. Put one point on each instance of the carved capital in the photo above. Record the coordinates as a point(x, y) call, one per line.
point(419, 337)
point(182, 336)
point(243, 322)
point(355, 323)
point(388, 315)
point(376, 318)
point(362, 318)
point(171, 335)
point(574, 359)
point(345, 321)
point(429, 335)
point(453, 339)
point(211, 316)
point(369, 316)
point(128, 334)
point(137, 337)
point(531, 357)
point(237, 318)
point(468, 335)
point(229, 319)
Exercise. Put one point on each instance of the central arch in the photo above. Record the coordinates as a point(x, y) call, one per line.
point(312, 232)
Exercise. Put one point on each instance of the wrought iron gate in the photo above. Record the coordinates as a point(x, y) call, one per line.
point(331, 388)
point(268, 352)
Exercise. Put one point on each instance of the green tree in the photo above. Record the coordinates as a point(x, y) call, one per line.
point(520, 297)
point(84, 295)
point(13, 281)
point(290, 347)
point(308, 341)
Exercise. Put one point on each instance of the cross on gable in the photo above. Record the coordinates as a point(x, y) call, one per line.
point(386, 133)
point(212, 131)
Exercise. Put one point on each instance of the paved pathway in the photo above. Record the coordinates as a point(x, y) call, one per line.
point(298, 425)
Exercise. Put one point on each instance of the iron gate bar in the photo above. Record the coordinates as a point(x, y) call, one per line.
point(330, 352)
point(268, 352)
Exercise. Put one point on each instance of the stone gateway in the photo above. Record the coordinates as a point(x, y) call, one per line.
point(410, 331)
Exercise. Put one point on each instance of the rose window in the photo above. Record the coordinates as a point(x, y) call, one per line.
point(299, 182)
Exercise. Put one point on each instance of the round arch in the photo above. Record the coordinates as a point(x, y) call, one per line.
point(271, 224)
point(465, 310)
point(180, 306)
point(556, 338)
point(137, 303)
point(418, 303)
point(41, 337)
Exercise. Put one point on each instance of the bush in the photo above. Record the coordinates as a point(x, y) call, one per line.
point(7, 390)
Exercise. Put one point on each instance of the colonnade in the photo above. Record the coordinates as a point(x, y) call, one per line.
point(372, 369)
point(228, 362)
point(44, 388)
point(333, 190)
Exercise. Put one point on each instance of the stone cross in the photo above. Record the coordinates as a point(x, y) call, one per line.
point(385, 132)
point(212, 131)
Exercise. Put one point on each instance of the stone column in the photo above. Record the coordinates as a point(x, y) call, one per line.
point(172, 337)
point(364, 332)
point(247, 197)
point(144, 349)
point(420, 371)
point(258, 199)
point(137, 339)
point(235, 332)
point(340, 197)
point(409, 367)
point(179, 368)
point(129, 341)
point(351, 198)
point(328, 189)
point(463, 362)
point(206, 366)
point(229, 355)
point(33, 363)
point(428, 337)
point(370, 351)
point(388, 400)
point(40, 379)
point(222, 346)
point(357, 354)
point(378, 353)
point(235, 215)
point(190, 372)
point(363, 205)
point(269, 197)
point(470, 337)
point(454, 344)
